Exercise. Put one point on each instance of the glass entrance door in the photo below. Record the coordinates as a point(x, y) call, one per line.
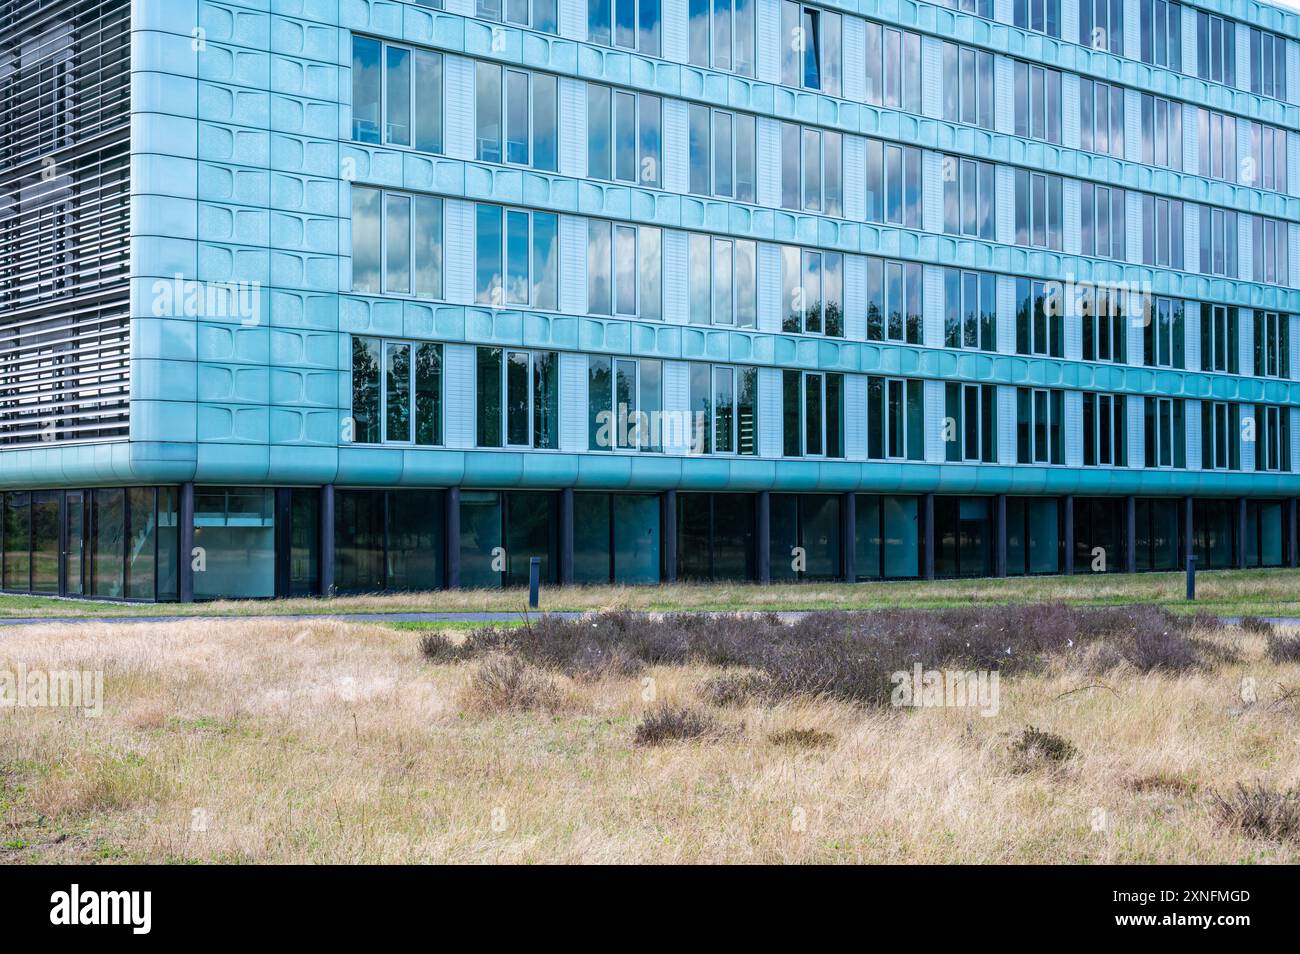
point(75, 548)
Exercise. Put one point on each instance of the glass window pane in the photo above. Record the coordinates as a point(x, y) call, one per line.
point(366, 82)
point(397, 392)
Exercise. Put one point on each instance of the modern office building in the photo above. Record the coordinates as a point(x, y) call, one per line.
point(304, 296)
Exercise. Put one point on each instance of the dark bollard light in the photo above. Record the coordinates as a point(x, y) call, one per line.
point(1191, 576)
point(534, 580)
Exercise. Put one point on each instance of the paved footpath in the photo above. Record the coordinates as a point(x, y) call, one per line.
point(493, 617)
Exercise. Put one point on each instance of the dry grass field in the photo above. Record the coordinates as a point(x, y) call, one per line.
point(1269, 592)
point(281, 741)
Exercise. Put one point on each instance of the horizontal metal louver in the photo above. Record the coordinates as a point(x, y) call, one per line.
point(64, 220)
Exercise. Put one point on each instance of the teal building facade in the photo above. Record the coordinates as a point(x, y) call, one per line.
point(327, 296)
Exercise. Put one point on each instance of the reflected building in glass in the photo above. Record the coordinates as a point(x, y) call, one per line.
point(399, 294)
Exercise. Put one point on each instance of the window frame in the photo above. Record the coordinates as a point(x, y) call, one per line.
point(434, 103)
point(1112, 409)
point(1040, 420)
point(414, 233)
point(531, 442)
point(505, 213)
point(645, 438)
point(823, 381)
point(707, 440)
point(890, 423)
point(1047, 115)
point(413, 419)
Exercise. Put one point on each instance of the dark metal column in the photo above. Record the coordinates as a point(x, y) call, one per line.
point(763, 536)
point(849, 536)
point(1290, 536)
point(1067, 564)
point(1241, 533)
point(63, 544)
point(327, 540)
point(1130, 534)
point(1000, 535)
point(566, 536)
point(927, 535)
point(1189, 527)
point(283, 539)
point(668, 521)
point(451, 524)
point(185, 545)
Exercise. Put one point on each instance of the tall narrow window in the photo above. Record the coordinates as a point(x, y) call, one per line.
point(517, 398)
point(623, 135)
point(1163, 333)
point(1039, 319)
point(813, 284)
point(1038, 209)
point(969, 197)
point(1040, 16)
point(970, 310)
point(1105, 430)
point(970, 422)
point(1165, 432)
point(1040, 425)
point(1219, 342)
point(1038, 102)
point(516, 257)
point(895, 415)
point(397, 243)
point(625, 404)
point(1101, 25)
point(812, 414)
point(894, 301)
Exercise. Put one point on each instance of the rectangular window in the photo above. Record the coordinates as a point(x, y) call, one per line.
point(409, 405)
point(813, 284)
point(1162, 132)
point(515, 116)
point(970, 310)
point(1267, 64)
point(1038, 210)
point(1038, 102)
point(893, 184)
point(1039, 319)
point(624, 404)
point(1105, 431)
point(1269, 245)
point(1216, 49)
point(722, 284)
point(1103, 220)
point(723, 149)
point(812, 414)
point(810, 48)
point(724, 409)
point(969, 197)
point(1105, 333)
point(1267, 169)
point(812, 162)
point(516, 258)
point(1038, 16)
point(1166, 440)
point(895, 419)
point(970, 423)
point(980, 8)
point(1217, 145)
point(1101, 118)
point(1219, 242)
point(397, 242)
point(1101, 25)
point(628, 24)
point(1220, 436)
point(396, 95)
point(624, 270)
point(1162, 232)
point(894, 301)
point(893, 68)
point(967, 86)
point(1272, 344)
point(1162, 33)
point(1040, 414)
point(1163, 333)
point(1272, 437)
point(1219, 341)
point(722, 34)
point(517, 398)
point(538, 15)
point(623, 135)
